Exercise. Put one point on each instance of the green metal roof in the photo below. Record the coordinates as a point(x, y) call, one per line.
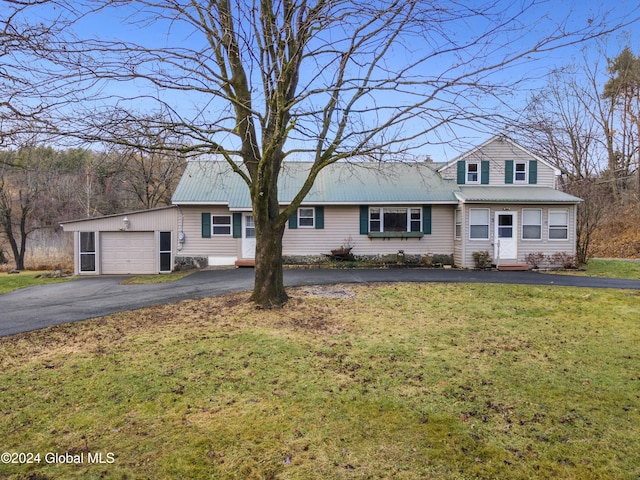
point(213, 182)
point(519, 194)
point(365, 183)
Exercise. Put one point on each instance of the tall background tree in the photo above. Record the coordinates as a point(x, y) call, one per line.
point(24, 175)
point(622, 90)
point(585, 121)
point(258, 82)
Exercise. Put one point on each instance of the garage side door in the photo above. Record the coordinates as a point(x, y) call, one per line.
point(128, 252)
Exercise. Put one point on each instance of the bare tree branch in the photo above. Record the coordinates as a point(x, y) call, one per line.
point(257, 82)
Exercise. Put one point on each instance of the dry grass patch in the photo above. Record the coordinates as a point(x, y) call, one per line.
point(387, 381)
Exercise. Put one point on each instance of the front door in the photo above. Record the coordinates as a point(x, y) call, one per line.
point(506, 241)
point(248, 236)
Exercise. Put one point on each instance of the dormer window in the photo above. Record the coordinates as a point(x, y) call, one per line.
point(473, 172)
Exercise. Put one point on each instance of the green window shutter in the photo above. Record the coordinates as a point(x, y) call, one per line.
point(293, 220)
point(206, 225)
point(364, 219)
point(319, 218)
point(484, 172)
point(462, 172)
point(508, 171)
point(426, 219)
point(533, 172)
point(237, 225)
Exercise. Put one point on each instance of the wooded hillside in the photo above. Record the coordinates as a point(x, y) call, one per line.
point(41, 186)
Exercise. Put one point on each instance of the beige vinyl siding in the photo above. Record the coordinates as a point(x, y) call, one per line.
point(161, 220)
point(343, 222)
point(464, 253)
point(497, 153)
point(190, 222)
point(459, 243)
point(110, 257)
point(340, 223)
point(450, 172)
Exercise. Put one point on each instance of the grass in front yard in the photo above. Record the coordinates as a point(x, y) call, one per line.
point(14, 281)
point(613, 269)
point(390, 381)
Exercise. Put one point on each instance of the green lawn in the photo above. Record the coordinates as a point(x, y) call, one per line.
point(613, 269)
point(390, 381)
point(9, 282)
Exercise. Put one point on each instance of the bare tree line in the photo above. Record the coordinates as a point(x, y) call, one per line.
point(585, 120)
point(40, 186)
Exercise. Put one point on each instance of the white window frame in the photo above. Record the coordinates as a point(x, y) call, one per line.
point(411, 220)
point(303, 214)
point(477, 172)
point(411, 211)
point(221, 225)
point(487, 212)
point(558, 226)
point(457, 232)
point(89, 253)
point(525, 224)
point(524, 171)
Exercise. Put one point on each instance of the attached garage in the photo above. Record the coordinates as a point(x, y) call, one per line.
point(128, 252)
point(142, 242)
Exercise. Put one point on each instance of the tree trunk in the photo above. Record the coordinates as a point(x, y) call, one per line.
point(7, 226)
point(268, 290)
point(18, 255)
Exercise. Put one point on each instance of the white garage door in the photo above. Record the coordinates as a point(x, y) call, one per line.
point(128, 252)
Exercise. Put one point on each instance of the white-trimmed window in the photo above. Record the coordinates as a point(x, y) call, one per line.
point(458, 229)
point(395, 219)
point(479, 224)
point(415, 219)
point(531, 224)
point(87, 251)
point(520, 172)
point(307, 217)
point(558, 224)
point(473, 172)
point(221, 225)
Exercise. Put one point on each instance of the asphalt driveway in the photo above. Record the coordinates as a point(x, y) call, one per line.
point(89, 297)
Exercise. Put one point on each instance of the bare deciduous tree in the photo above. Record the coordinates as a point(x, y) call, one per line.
point(151, 165)
point(561, 124)
point(24, 175)
point(591, 212)
point(259, 81)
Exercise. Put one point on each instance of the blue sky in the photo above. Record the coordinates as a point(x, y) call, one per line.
point(539, 22)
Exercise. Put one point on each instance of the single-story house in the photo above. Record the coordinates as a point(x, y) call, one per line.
point(498, 198)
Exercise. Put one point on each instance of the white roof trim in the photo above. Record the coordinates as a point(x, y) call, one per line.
point(209, 204)
point(517, 202)
point(113, 215)
point(364, 202)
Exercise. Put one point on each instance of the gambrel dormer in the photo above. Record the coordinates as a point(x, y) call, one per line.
point(500, 162)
